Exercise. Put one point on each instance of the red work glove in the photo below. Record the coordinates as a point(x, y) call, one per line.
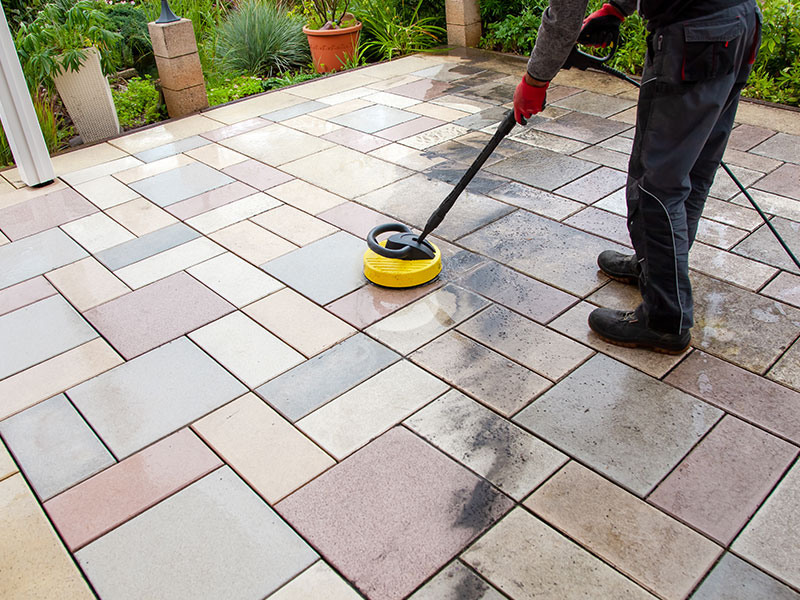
point(528, 100)
point(601, 27)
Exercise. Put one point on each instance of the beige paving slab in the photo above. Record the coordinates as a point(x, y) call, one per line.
point(154, 168)
point(402, 66)
point(253, 107)
point(262, 447)
point(663, 555)
point(326, 86)
point(410, 158)
point(97, 232)
point(294, 225)
point(276, 144)
point(346, 96)
point(101, 170)
point(236, 280)
point(56, 375)
point(393, 100)
point(299, 322)
point(435, 111)
point(169, 132)
point(246, 349)
point(528, 560)
point(84, 158)
point(768, 117)
point(461, 104)
point(432, 137)
point(234, 212)
point(371, 408)
point(391, 82)
point(318, 581)
point(730, 267)
point(105, 192)
point(4, 239)
point(166, 263)
point(252, 242)
point(7, 465)
point(770, 539)
point(339, 109)
point(27, 193)
point(141, 216)
point(308, 198)
point(216, 156)
point(311, 125)
point(87, 283)
point(35, 563)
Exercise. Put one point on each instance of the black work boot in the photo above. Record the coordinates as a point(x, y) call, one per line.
point(618, 266)
point(629, 329)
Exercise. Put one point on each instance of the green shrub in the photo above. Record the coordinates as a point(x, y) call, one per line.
point(261, 39)
point(205, 15)
point(139, 104)
point(54, 131)
point(134, 46)
point(516, 32)
point(289, 79)
point(391, 31)
point(233, 89)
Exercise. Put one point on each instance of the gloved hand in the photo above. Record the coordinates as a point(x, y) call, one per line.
point(528, 100)
point(601, 27)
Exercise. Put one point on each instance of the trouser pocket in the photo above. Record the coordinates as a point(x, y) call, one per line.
point(710, 49)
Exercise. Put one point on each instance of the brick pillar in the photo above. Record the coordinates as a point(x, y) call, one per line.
point(463, 22)
point(179, 67)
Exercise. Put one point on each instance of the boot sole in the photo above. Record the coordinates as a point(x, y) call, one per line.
point(659, 349)
point(622, 278)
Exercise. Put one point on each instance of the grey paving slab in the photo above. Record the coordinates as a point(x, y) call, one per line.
point(54, 446)
point(783, 181)
point(787, 369)
point(543, 350)
point(36, 255)
point(724, 187)
point(582, 127)
point(324, 270)
point(427, 318)
point(181, 183)
point(532, 298)
point(542, 168)
point(326, 376)
point(781, 146)
point(742, 327)
point(597, 184)
point(734, 579)
point(166, 150)
point(774, 204)
point(551, 252)
point(770, 541)
point(484, 118)
point(456, 582)
point(147, 245)
point(536, 201)
point(601, 223)
point(506, 455)
point(626, 425)
point(762, 245)
point(595, 104)
point(548, 141)
point(374, 118)
point(143, 400)
point(482, 183)
point(40, 331)
point(744, 137)
point(412, 200)
point(294, 111)
point(604, 156)
point(216, 540)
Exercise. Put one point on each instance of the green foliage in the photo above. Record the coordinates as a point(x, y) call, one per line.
point(516, 32)
point(139, 104)
point(205, 15)
point(389, 34)
point(289, 79)
point(56, 39)
point(493, 11)
point(327, 14)
point(233, 89)
point(53, 129)
point(261, 39)
point(134, 43)
point(18, 11)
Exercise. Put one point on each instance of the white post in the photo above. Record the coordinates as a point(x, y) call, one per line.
point(18, 116)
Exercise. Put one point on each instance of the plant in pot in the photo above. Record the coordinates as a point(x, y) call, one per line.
point(69, 45)
point(332, 33)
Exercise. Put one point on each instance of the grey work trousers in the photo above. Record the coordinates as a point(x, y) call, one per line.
point(692, 77)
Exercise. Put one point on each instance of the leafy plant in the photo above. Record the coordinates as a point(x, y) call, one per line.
point(56, 40)
point(328, 14)
point(516, 32)
point(233, 89)
point(205, 15)
point(289, 79)
point(134, 44)
point(138, 104)
point(261, 39)
point(51, 123)
point(389, 35)
point(18, 11)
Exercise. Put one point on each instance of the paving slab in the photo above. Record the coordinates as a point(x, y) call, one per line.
point(239, 282)
point(787, 369)
point(782, 181)
point(597, 184)
point(536, 201)
point(761, 245)
point(181, 183)
point(44, 212)
point(318, 581)
point(196, 205)
point(456, 582)
point(581, 126)
point(37, 254)
point(781, 146)
point(97, 232)
point(147, 245)
point(159, 152)
point(541, 168)
point(734, 579)
point(256, 174)
point(373, 118)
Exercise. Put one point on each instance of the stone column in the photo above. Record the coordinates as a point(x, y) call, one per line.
point(463, 22)
point(179, 67)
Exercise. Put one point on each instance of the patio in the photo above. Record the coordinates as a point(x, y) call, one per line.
point(202, 397)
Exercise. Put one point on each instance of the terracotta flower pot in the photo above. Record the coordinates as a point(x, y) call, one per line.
point(332, 48)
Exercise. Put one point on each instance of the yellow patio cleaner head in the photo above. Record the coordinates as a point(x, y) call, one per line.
point(407, 259)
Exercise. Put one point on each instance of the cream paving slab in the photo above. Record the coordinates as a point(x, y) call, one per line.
point(35, 563)
point(294, 225)
point(270, 454)
point(55, 375)
point(308, 198)
point(28, 193)
point(239, 282)
point(508, 457)
point(395, 81)
point(333, 84)
point(346, 172)
point(435, 111)
point(252, 242)
point(168, 262)
point(456, 582)
point(401, 66)
point(97, 232)
point(318, 581)
point(528, 560)
point(154, 168)
point(409, 158)
point(427, 318)
point(7, 465)
point(141, 216)
point(246, 349)
point(774, 204)
point(393, 100)
point(35, 255)
point(276, 144)
point(311, 125)
point(438, 135)
point(84, 158)
point(171, 131)
point(769, 541)
point(340, 108)
point(749, 274)
point(255, 106)
point(101, 170)
point(658, 552)
point(87, 283)
point(371, 408)
point(105, 192)
point(220, 217)
point(299, 322)
point(718, 234)
point(216, 156)
point(461, 104)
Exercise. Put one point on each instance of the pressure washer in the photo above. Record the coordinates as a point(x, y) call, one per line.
point(407, 260)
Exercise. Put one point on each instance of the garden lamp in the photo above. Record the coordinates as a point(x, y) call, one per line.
point(167, 16)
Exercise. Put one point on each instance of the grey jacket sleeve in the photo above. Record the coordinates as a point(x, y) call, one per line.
point(561, 24)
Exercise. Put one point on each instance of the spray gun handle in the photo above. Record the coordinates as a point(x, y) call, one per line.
point(581, 60)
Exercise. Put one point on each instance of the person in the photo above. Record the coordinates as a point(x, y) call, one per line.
point(699, 56)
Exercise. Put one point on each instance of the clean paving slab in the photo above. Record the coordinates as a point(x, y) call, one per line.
point(184, 145)
point(145, 246)
point(276, 144)
point(762, 245)
point(44, 212)
point(626, 425)
point(222, 539)
point(54, 446)
point(781, 146)
point(37, 254)
point(25, 293)
point(734, 579)
point(153, 395)
point(542, 169)
point(318, 581)
point(374, 118)
point(181, 183)
point(236, 280)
